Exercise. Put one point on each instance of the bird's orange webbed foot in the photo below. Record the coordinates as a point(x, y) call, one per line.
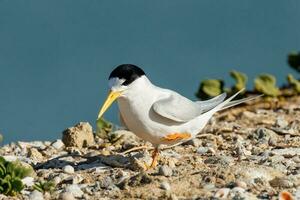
point(177, 136)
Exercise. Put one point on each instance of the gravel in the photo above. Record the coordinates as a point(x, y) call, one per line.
point(247, 152)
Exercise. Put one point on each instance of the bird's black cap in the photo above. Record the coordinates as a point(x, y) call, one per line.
point(128, 72)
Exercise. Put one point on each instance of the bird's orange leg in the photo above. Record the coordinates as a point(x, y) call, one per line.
point(155, 156)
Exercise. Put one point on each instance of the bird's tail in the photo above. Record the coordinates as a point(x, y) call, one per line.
point(199, 122)
point(239, 101)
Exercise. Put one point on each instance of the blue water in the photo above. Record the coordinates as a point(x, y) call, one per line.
point(55, 56)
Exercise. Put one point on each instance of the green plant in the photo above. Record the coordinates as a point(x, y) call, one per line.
point(1, 138)
point(45, 186)
point(294, 83)
point(103, 127)
point(266, 84)
point(11, 175)
point(210, 88)
point(240, 81)
point(294, 60)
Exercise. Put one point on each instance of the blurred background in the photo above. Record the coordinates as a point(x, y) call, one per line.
point(55, 56)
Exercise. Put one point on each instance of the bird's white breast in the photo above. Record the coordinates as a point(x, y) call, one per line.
point(136, 110)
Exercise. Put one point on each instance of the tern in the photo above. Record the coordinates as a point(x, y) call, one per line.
point(158, 115)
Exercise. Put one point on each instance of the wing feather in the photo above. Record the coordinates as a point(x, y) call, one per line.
point(177, 108)
point(180, 109)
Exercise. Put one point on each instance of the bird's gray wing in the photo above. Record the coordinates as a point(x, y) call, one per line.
point(177, 108)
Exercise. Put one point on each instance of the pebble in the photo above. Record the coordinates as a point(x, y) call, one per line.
point(35, 154)
point(281, 182)
point(222, 193)
point(77, 179)
point(238, 190)
point(28, 181)
point(202, 150)
point(106, 183)
point(75, 190)
point(36, 195)
point(81, 135)
point(287, 152)
point(165, 171)
point(66, 196)
point(56, 180)
point(165, 186)
point(280, 122)
point(68, 169)
point(58, 144)
point(241, 184)
point(264, 134)
point(296, 159)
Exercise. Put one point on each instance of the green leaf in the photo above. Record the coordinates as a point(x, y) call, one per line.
point(240, 80)
point(103, 127)
point(17, 185)
point(38, 187)
point(266, 84)
point(47, 186)
point(294, 60)
point(11, 174)
point(294, 83)
point(210, 88)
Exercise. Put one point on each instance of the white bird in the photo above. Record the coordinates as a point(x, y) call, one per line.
point(157, 115)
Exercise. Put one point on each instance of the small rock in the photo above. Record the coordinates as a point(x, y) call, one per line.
point(77, 179)
point(126, 138)
point(272, 141)
point(57, 180)
point(202, 150)
point(36, 195)
point(222, 193)
point(66, 196)
point(58, 144)
point(75, 190)
point(165, 171)
point(281, 182)
point(280, 122)
point(140, 179)
point(241, 184)
point(81, 135)
point(221, 160)
point(165, 186)
point(287, 152)
point(264, 134)
point(47, 143)
point(297, 193)
point(238, 190)
point(10, 158)
point(209, 186)
point(106, 183)
point(296, 159)
point(28, 181)
point(35, 154)
point(68, 169)
point(251, 172)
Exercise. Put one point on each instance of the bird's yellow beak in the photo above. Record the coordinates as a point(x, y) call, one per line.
point(112, 96)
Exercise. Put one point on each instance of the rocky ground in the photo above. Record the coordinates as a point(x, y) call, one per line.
point(247, 152)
